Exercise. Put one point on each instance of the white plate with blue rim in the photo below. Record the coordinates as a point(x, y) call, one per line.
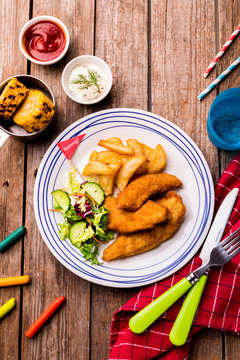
point(184, 159)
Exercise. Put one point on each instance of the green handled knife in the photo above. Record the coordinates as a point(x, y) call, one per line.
point(183, 322)
point(144, 318)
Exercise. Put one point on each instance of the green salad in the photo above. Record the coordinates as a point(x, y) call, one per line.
point(85, 216)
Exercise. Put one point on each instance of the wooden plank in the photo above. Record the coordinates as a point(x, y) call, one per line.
point(124, 48)
point(232, 344)
point(180, 54)
point(11, 177)
point(181, 48)
point(207, 344)
point(228, 21)
point(67, 334)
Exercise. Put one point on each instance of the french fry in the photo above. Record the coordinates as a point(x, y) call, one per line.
point(127, 171)
point(120, 149)
point(143, 169)
point(93, 156)
point(111, 157)
point(158, 161)
point(107, 181)
point(138, 149)
point(136, 146)
point(97, 168)
point(115, 140)
point(148, 152)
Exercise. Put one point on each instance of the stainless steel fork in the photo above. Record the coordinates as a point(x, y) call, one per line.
point(220, 255)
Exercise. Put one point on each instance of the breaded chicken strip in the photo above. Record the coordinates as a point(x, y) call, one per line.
point(128, 245)
point(139, 190)
point(124, 222)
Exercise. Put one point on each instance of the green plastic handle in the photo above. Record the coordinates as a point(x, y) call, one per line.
point(144, 318)
point(183, 322)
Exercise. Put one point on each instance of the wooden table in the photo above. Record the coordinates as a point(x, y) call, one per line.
point(158, 51)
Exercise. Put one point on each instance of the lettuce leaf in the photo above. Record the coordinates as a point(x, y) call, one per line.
point(71, 215)
point(64, 230)
point(99, 220)
point(90, 252)
point(107, 236)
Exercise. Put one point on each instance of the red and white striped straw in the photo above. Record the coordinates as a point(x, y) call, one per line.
point(222, 51)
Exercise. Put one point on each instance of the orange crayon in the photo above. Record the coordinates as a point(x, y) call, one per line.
point(16, 280)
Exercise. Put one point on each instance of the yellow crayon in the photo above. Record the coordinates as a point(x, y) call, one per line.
point(16, 280)
point(8, 306)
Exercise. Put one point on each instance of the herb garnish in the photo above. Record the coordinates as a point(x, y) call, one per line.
point(87, 82)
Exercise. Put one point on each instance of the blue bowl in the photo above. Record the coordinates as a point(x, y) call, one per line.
point(223, 124)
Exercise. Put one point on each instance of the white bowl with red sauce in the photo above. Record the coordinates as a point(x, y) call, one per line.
point(44, 40)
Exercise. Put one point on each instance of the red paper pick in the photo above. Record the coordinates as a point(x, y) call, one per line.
point(68, 147)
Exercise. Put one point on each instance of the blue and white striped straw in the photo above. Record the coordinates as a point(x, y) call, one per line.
point(218, 79)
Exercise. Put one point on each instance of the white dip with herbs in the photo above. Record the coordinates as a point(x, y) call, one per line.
point(87, 82)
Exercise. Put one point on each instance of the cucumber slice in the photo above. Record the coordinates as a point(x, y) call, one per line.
point(61, 200)
point(95, 191)
point(56, 205)
point(75, 229)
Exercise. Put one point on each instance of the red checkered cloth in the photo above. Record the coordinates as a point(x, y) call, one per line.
point(219, 307)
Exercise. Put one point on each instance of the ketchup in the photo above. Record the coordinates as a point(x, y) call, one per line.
point(44, 41)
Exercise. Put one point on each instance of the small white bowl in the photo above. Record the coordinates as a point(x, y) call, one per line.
point(34, 21)
point(81, 60)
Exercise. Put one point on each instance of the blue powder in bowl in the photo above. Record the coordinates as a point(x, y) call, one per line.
point(227, 127)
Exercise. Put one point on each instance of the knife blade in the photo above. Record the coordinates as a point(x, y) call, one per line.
point(183, 322)
point(219, 224)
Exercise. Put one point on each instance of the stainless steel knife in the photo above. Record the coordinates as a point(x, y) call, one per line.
point(183, 322)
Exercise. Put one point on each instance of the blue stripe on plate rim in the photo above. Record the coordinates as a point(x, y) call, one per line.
point(98, 119)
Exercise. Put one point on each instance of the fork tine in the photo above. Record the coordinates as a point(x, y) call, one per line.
point(234, 246)
point(234, 254)
point(222, 243)
point(225, 247)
